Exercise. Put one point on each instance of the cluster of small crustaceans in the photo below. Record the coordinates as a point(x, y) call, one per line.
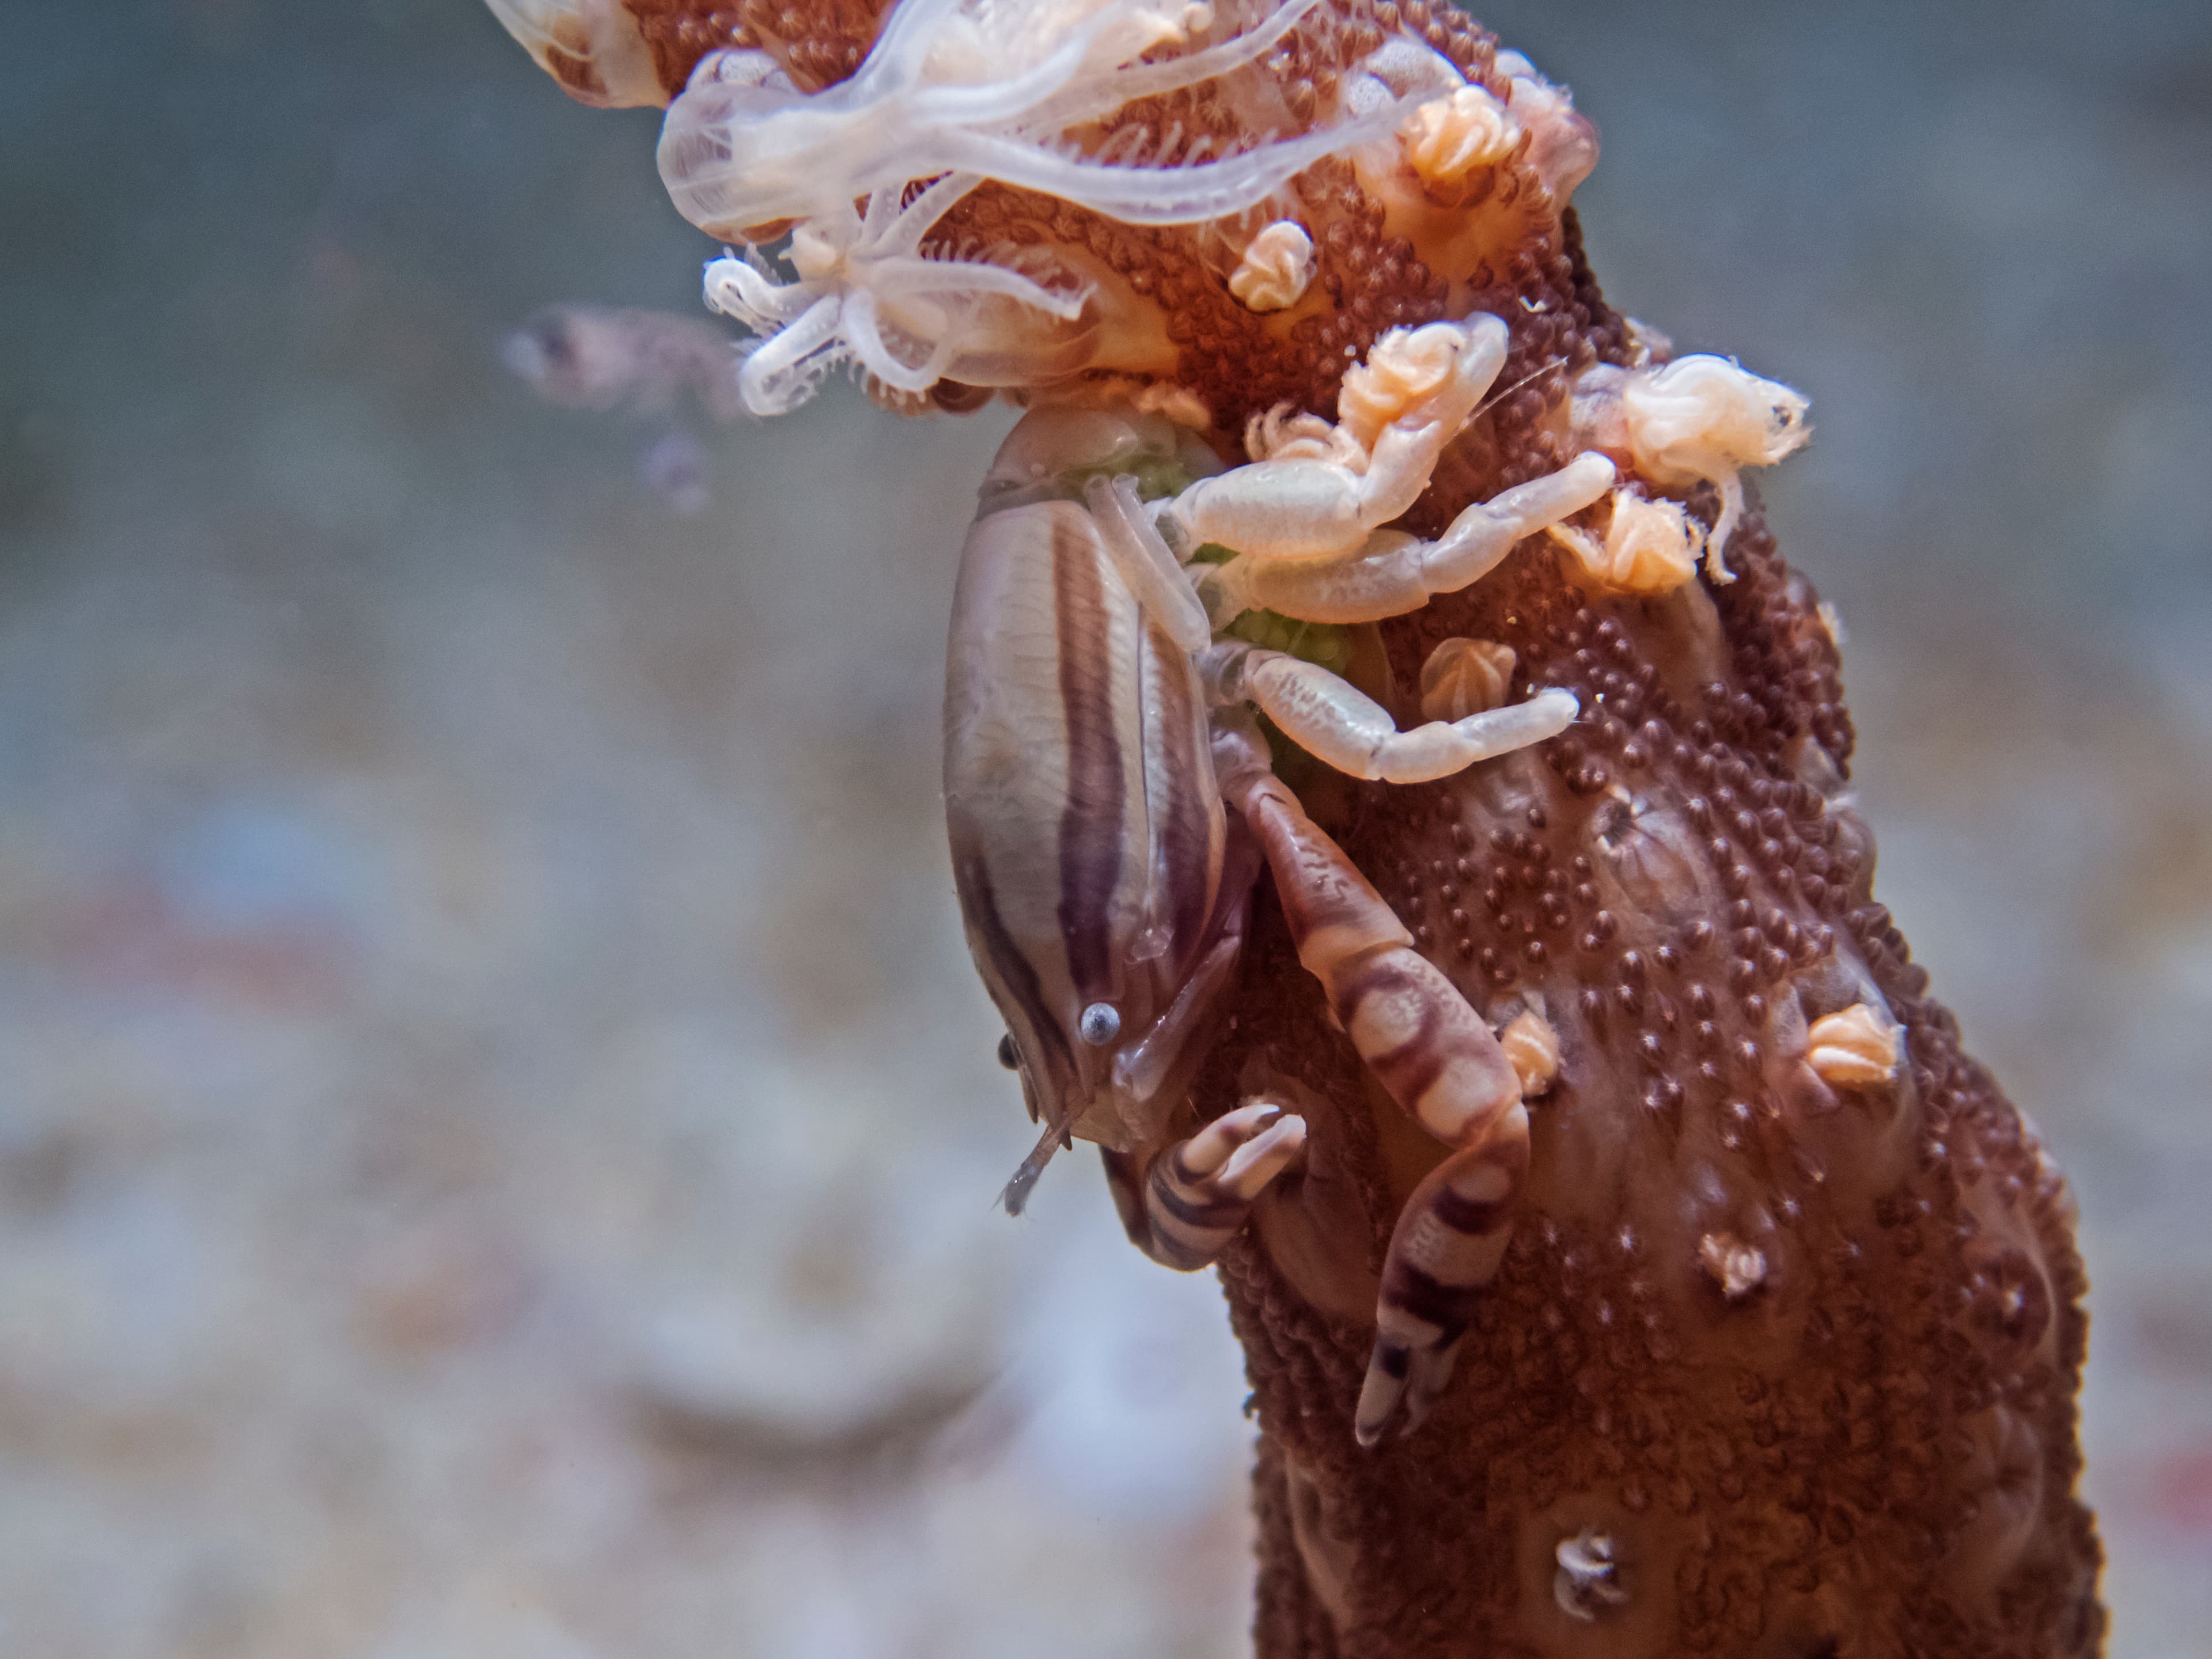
point(1139, 630)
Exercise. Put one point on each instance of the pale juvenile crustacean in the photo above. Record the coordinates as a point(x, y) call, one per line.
point(1304, 519)
point(1549, 1086)
point(1696, 420)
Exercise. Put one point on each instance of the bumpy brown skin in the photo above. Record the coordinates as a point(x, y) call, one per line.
point(818, 43)
point(1864, 1441)
point(1872, 1451)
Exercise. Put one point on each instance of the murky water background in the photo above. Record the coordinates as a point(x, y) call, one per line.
point(497, 1129)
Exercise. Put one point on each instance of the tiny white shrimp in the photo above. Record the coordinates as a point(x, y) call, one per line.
point(1696, 420)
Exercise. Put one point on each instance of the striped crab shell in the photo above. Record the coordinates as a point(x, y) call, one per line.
point(1102, 897)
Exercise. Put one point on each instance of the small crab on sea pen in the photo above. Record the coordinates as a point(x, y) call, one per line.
point(1444, 904)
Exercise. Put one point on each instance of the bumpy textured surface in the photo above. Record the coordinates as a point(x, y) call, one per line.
point(1869, 1450)
point(818, 45)
point(1793, 1361)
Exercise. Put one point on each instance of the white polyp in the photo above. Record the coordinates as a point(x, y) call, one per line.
point(1650, 547)
point(959, 315)
point(1586, 1581)
point(1532, 1048)
point(1320, 491)
point(1440, 369)
point(1276, 270)
point(1450, 137)
point(1854, 1047)
point(1464, 676)
point(1736, 1267)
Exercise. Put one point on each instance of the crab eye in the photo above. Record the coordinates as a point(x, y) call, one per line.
point(1099, 1025)
point(1008, 1056)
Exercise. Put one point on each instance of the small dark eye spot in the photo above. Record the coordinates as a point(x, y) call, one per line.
point(1007, 1056)
point(1100, 1024)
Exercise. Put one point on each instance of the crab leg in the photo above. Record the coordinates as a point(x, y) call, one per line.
point(1145, 564)
point(1392, 573)
point(1322, 490)
point(1435, 1057)
point(1197, 1192)
point(1336, 722)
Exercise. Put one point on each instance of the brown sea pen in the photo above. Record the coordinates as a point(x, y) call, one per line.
point(1782, 1356)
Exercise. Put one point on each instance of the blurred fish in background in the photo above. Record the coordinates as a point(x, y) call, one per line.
point(498, 1128)
point(605, 357)
point(650, 364)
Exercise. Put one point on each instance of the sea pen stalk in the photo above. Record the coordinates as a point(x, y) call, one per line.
point(1782, 1357)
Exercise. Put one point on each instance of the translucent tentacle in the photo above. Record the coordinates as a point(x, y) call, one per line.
point(920, 216)
point(976, 276)
point(896, 59)
point(1006, 100)
point(1126, 84)
point(1156, 195)
point(866, 337)
point(737, 289)
point(783, 372)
